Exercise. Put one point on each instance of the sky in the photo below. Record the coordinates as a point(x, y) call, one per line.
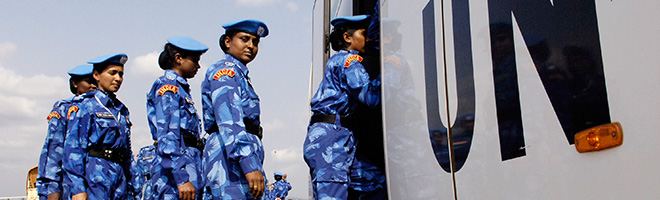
point(41, 41)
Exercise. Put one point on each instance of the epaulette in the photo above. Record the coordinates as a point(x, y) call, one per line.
point(352, 58)
point(63, 101)
point(89, 94)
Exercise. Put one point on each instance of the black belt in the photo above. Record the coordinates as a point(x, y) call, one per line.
point(192, 141)
point(116, 155)
point(329, 119)
point(252, 128)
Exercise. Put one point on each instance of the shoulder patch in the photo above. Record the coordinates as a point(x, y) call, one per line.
point(53, 114)
point(71, 109)
point(167, 88)
point(224, 72)
point(393, 59)
point(351, 59)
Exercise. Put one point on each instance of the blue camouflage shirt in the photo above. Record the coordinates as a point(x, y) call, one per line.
point(49, 178)
point(228, 98)
point(102, 122)
point(171, 114)
point(344, 81)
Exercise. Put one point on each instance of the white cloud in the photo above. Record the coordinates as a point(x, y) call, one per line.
point(24, 98)
point(145, 66)
point(256, 2)
point(290, 154)
point(292, 6)
point(37, 85)
point(7, 50)
point(273, 125)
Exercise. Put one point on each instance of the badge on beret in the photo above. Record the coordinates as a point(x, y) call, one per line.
point(167, 88)
point(224, 72)
point(123, 60)
point(351, 59)
point(71, 109)
point(53, 114)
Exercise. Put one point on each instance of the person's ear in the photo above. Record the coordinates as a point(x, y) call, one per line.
point(178, 59)
point(96, 76)
point(227, 42)
point(347, 37)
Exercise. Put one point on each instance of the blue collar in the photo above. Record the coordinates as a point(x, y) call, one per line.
point(349, 51)
point(238, 63)
point(108, 100)
point(170, 74)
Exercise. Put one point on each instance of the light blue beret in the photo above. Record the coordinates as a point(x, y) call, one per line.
point(81, 70)
point(119, 58)
point(357, 18)
point(255, 27)
point(187, 43)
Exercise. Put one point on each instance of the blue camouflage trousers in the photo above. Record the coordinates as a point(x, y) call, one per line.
point(329, 151)
point(105, 180)
point(164, 186)
point(224, 177)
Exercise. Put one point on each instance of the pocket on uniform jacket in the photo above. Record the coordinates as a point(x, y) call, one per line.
point(107, 128)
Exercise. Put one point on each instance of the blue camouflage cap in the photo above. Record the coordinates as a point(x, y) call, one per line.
point(187, 43)
point(255, 27)
point(278, 173)
point(81, 70)
point(119, 58)
point(356, 18)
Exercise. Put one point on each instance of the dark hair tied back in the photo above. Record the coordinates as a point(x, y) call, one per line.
point(167, 57)
point(337, 36)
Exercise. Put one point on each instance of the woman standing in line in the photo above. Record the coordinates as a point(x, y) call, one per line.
point(97, 149)
point(233, 156)
point(174, 123)
point(49, 178)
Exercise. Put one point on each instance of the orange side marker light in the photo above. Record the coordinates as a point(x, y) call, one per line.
point(599, 138)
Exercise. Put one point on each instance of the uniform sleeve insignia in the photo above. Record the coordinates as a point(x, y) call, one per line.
point(167, 88)
point(223, 72)
point(395, 60)
point(351, 59)
point(53, 114)
point(71, 109)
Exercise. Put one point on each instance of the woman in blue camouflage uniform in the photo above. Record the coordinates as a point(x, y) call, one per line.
point(279, 189)
point(233, 156)
point(97, 149)
point(49, 178)
point(174, 123)
point(329, 149)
